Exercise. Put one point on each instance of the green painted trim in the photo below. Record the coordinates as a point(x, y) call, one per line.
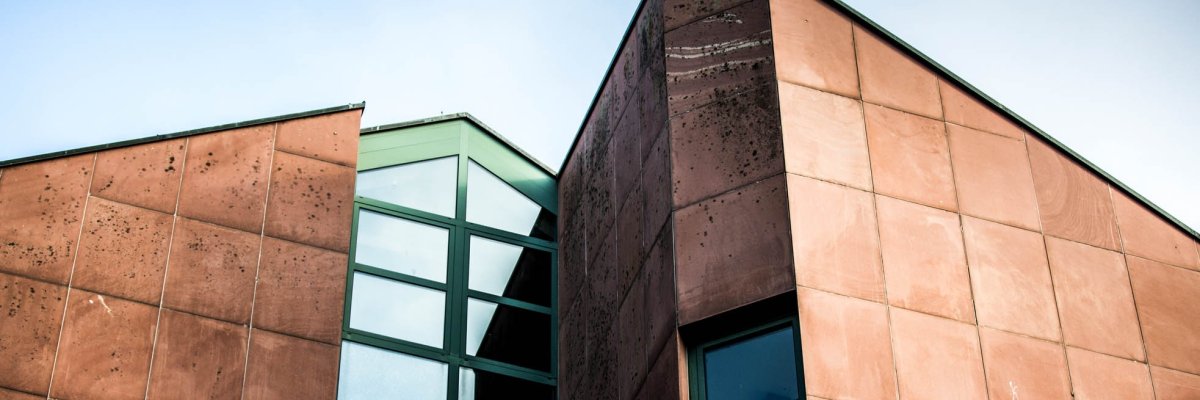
point(1005, 111)
point(467, 117)
point(193, 132)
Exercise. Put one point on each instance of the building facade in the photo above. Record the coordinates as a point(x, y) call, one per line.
point(768, 199)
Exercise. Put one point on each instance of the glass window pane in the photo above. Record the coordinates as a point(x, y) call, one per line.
point(508, 334)
point(397, 309)
point(493, 203)
point(483, 385)
point(400, 245)
point(759, 367)
point(371, 373)
point(429, 185)
point(509, 270)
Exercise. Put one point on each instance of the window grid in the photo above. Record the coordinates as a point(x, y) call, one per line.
point(453, 350)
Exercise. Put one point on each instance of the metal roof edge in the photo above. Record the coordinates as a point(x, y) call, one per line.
point(175, 135)
point(929, 62)
point(465, 116)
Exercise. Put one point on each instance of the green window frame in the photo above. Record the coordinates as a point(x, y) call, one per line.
point(470, 141)
point(737, 326)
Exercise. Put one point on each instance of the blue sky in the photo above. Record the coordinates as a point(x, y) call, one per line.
point(1114, 80)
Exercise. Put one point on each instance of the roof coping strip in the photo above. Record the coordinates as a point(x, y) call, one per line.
point(469, 118)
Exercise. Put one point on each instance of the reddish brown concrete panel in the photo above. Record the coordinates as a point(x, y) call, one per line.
point(834, 238)
point(993, 178)
point(631, 249)
point(123, 251)
point(936, 358)
point(225, 179)
point(1168, 316)
point(631, 340)
point(30, 318)
point(1146, 235)
point(725, 145)
point(890, 78)
point(211, 271)
point(678, 13)
point(6, 394)
point(41, 206)
point(1095, 301)
point(1175, 385)
point(573, 345)
point(656, 186)
point(1101, 377)
point(664, 381)
point(311, 202)
point(286, 368)
point(197, 357)
point(910, 157)
point(824, 136)
point(718, 268)
point(145, 175)
point(1020, 367)
point(924, 260)
point(1013, 290)
point(329, 137)
point(105, 349)
point(661, 308)
point(1074, 203)
point(721, 56)
point(847, 350)
point(814, 46)
point(301, 290)
point(963, 109)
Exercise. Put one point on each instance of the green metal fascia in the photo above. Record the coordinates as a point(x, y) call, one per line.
point(929, 62)
point(193, 132)
point(468, 118)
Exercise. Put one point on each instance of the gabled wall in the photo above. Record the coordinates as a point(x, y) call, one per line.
point(944, 251)
point(211, 265)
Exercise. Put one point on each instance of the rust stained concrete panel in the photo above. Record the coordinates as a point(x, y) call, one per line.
point(1021, 367)
point(835, 238)
point(719, 57)
point(211, 271)
point(123, 251)
point(910, 157)
point(725, 145)
point(105, 350)
point(847, 348)
point(330, 137)
point(1011, 280)
point(1146, 235)
point(719, 268)
point(41, 210)
point(1167, 309)
point(924, 260)
point(311, 202)
point(285, 368)
point(1174, 385)
point(814, 46)
point(1095, 301)
point(824, 136)
point(301, 290)
point(890, 78)
point(197, 357)
point(30, 318)
point(1073, 202)
point(225, 179)
point(993, 178)
point(145, 175)
point(936, 358)
point(1101, 377)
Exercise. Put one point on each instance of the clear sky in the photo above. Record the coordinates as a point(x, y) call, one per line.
point(1114, 80)
point(1117, 81)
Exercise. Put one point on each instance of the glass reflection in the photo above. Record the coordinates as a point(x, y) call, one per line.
point(483, 385)
point(397, 309)
point(757, 368)
point(508, 334)
point(493, 203)
point(509, 270)
point(371, 373)
point(403, 246)
point(429, 185)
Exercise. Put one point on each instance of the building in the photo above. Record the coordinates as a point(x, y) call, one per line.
point(766, 195)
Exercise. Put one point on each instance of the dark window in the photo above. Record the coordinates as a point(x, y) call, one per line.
point(758, 367)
